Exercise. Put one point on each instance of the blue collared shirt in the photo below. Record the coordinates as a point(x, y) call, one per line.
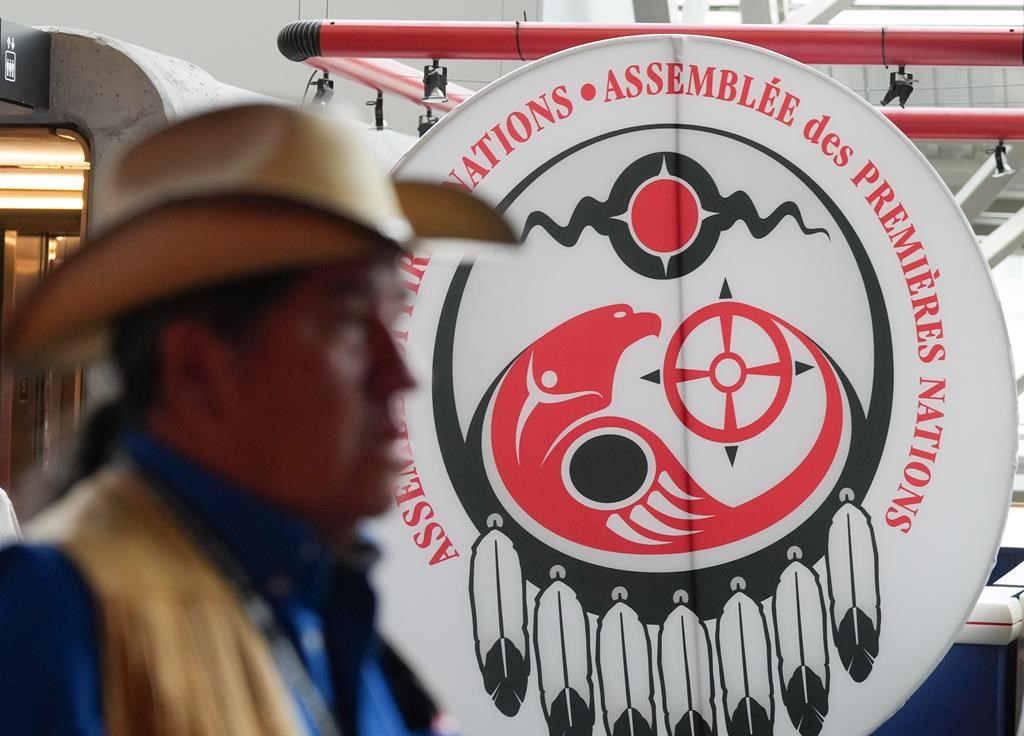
point(49, 660)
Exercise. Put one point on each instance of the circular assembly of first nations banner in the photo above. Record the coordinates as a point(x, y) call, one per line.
point(727, 445)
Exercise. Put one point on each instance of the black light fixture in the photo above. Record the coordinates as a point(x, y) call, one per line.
point(901, 84)
point(378, 112)
point(435, 82)
point(324, 90)
point(427, 121)
point(1002, 167)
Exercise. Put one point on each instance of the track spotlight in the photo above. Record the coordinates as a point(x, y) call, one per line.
point(1002, 167)
point(901, 84)
point(435, 82)
point(324, 90)
point(378, 112)
point(427, 121)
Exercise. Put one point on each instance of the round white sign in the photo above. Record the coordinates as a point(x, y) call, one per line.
point(728, 447)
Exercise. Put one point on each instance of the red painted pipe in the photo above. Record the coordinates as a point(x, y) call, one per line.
point(958, 123)
point(526, 41)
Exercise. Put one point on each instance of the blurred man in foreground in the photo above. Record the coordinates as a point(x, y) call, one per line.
point(204, 575)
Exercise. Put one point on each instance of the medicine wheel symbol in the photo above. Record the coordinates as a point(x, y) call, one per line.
point(728, 371)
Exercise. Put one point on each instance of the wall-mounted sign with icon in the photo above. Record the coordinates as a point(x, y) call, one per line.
point(26, 79)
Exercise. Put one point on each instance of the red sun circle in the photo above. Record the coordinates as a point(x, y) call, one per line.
point(664, 215)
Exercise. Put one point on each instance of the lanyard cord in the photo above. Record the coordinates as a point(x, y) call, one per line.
point(259, 613)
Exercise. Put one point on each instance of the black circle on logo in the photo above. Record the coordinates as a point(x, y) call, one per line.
point(708, 587)
point(608, 468)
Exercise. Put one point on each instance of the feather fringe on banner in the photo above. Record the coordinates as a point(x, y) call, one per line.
point(687, 683)
point(624, 671)
point(852, 564)
point(562, 638)
point(798, 611)
point(497, 593)
point(744, 661)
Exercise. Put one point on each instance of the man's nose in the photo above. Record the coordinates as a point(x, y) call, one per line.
point(390, 373)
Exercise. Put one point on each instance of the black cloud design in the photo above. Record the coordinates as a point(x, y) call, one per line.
point(726, 212)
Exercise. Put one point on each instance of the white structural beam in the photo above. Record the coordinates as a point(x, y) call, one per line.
point(817, 11)
point(1004, 240)
point(587, 11)
point(654, 11)
point(694, 11)
point(759, 11)
point(982, 189)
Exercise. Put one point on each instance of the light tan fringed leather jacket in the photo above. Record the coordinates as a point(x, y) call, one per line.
point(179, 657)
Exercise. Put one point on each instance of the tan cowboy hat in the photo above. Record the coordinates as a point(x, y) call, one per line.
point(228, 194)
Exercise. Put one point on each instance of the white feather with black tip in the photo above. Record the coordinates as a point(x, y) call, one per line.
point(798, 611)
point(744, 662)
point(562, 638)
point(852, 564)
point(498, 600)
point(687, 681)
point(624, 671)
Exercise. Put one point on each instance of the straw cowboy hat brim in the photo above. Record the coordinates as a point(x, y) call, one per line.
point(229, 194)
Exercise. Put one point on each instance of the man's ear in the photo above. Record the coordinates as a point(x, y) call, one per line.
point(196, 371)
